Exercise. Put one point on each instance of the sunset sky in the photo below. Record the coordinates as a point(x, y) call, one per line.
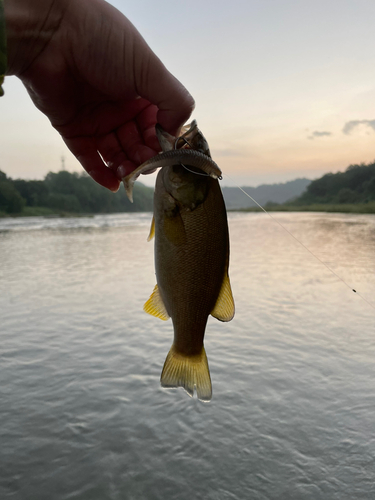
point(283, 88)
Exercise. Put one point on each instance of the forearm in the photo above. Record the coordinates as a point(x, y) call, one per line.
point(30, 25)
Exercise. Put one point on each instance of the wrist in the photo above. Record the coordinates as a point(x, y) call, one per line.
point(30, 25)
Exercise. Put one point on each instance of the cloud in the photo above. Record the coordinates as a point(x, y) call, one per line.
point(316, 133)
point(349, 126)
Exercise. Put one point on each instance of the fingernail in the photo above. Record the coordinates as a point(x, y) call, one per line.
point(121, 172)
point(114, 189)
point(137, 158)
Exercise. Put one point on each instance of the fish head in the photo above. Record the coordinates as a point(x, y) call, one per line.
point(188, 186)
point(191, 138)
point(194, 139)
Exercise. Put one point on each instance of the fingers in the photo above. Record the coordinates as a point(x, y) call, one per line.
point(113, 154)
point(124, 149)
point(110, 150)
point(85, 151)
point(155, 83)
point(131, 144)
point(146, 121)
point(175, 108)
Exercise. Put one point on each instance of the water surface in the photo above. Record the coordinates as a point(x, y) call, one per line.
point(82, 414)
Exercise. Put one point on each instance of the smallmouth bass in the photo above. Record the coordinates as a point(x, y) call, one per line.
point(191, 256)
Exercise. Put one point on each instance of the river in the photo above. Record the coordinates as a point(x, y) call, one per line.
point(83, 415)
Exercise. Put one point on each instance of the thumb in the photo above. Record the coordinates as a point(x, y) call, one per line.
point(161, 88)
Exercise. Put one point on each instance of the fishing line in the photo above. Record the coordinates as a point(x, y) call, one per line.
point(193, 172)
point(302, 244)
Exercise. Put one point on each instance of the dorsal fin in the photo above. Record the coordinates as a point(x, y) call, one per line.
point(224, 307)
point(155, 305)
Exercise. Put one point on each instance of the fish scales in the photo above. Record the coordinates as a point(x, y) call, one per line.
point(195, 265)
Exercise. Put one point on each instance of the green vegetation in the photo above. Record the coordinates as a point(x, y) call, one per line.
point(349, 191)
point(359, 208)
point(277, 193)
point(66, 193)
point(11, 200)
point(354, 186)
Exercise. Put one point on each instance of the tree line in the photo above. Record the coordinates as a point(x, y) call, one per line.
point(355, 185)
point(69, 193)
point(65, 192)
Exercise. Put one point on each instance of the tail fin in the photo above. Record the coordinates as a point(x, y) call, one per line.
point(188, 372)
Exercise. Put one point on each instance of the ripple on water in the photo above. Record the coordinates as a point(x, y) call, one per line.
point(83, 415)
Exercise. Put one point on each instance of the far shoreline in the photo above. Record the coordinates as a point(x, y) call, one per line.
point(359, 208)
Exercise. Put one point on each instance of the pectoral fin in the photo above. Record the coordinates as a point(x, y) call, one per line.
point(155, 305)
point(152, 229)
point(224, 307)
point(174, 229)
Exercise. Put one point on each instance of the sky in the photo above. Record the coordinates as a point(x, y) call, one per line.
point(283, 88)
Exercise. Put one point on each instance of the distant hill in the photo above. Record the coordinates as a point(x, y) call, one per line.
point(65, 192)
point(355, 185)
point(274, 193)
point(77, 193)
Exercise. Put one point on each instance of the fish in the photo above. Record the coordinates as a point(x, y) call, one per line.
point(191, 256)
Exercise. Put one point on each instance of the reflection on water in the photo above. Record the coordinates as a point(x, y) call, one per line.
point(82, 414)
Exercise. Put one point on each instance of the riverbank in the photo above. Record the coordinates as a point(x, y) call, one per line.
point(358, 208)
point(44, 212)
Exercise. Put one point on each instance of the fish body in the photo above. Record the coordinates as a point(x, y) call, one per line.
point(191, 253)
point(191, 264)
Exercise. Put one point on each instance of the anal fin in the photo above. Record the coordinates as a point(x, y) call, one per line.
point(188, 372)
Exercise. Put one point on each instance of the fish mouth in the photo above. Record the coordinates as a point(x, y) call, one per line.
point(190, 138)
point(189, 150)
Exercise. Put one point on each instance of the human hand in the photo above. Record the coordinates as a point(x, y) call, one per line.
point(88, 69)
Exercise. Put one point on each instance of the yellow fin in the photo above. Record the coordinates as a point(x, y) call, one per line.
point(152, 229)
point(174, 230)
point(155, 305)
point(224, 307)
point(188, 372)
